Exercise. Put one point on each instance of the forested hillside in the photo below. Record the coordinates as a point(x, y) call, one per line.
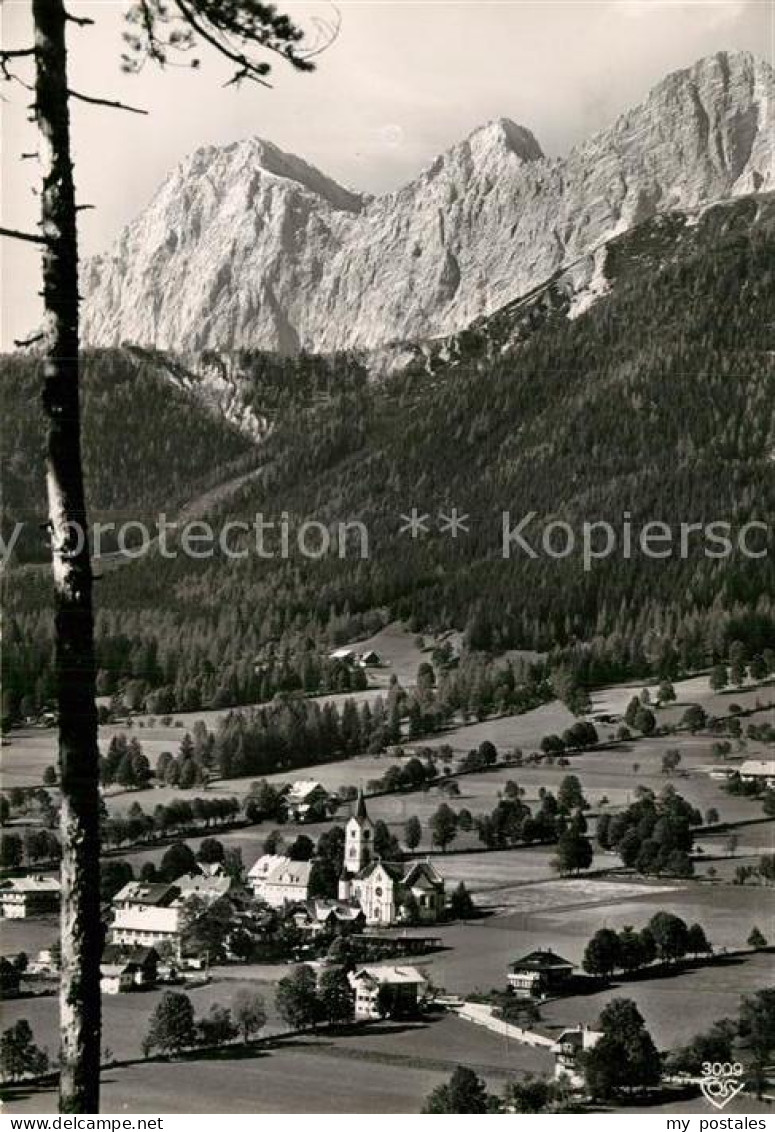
point(148, 446)
point(658, 402)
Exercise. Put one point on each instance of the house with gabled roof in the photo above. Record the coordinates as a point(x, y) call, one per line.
point(278, 880)
point(538, 974)
point(568, 1053)
point(382, 991)
point(21, 897)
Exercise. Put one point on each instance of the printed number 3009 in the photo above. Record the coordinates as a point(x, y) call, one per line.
point(722, 1069)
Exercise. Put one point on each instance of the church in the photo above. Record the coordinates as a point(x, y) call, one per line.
point(387, 892)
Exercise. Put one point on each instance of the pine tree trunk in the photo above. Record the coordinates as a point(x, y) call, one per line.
point(75, 666)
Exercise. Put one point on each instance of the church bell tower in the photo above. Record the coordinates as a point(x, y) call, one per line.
point(359, 835)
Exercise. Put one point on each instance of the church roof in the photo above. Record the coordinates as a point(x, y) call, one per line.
point(424, 869)
point(393, 870)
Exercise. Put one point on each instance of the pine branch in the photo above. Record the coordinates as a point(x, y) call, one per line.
point(29, 237)
point(7, 56)
point(104, 102)
point(246, 69)
point(20, 343)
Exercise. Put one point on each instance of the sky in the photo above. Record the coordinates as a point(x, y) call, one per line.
point(404, 80)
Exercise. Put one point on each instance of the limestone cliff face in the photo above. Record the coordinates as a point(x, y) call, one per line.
point(246, 246)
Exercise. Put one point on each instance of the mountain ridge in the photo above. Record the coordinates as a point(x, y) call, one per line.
point(262, 250)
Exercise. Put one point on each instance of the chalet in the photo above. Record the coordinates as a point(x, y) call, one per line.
point(328, 917)
point(154, 915)
point(370, 659)
point(538, 974)
point(278, 880)
point(207, 888)
point(567, 1052)
point(117, 978)
point(382, 991)
point(386, 890)
point(307, 800)
point(143, 961)
point(148, 915)
point(761, 771)
point(21, 897)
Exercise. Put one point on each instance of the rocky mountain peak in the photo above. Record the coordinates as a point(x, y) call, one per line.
point(248, 246)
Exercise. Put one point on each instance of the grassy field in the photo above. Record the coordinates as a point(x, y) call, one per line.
point(125, 1016)
point(391, 1068)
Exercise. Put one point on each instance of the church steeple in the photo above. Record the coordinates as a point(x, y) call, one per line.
point(358, 838)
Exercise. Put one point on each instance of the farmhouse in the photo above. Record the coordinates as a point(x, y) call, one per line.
point(143, 962)
point(117, 978)
point(152, 915)
point(538, 974)
point(387, 991)
point(387, 892)
point(761, 771)
point(147, 915)
point(307, 800)
point(278, 880)
point(567, 1049)
point(328, 917)
point(21, 897)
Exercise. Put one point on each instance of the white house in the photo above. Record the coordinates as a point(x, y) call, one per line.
point(758, 770)
point(21, 897)
point(306, 798)
point(117, 978)
point(567, 1049)
point(386, 990)
point(278, 880)
point(382, 888)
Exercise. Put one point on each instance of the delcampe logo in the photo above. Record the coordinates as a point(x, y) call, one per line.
point(721, 1082)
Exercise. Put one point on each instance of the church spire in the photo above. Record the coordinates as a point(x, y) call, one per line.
point(360, 809)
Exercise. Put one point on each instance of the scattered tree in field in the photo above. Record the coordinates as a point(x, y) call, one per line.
point(11, 851)
point(50, 776)
point(177, 861)
point(465, 1092)
point(113, 876)
point(19, 1056)
point(172, 1028)
point(537, 1094)
point(719, 677)
point(443, 826)
point(210, 852)
point(711, 816)
point(756, 939)
point(217, 1028)
point(570, 796)
point(574, 851)
point(602, 954)
point(697, 942)
point(249, 1013)
point(671, 760)
point(296, 998)
point(666, 693)
point(694, 718)
point(625, 1058)
point(337, 998)
point(461, 906)
point(713, 1045)
point(757, 1027)
point(412, 832)
point(671, 936)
